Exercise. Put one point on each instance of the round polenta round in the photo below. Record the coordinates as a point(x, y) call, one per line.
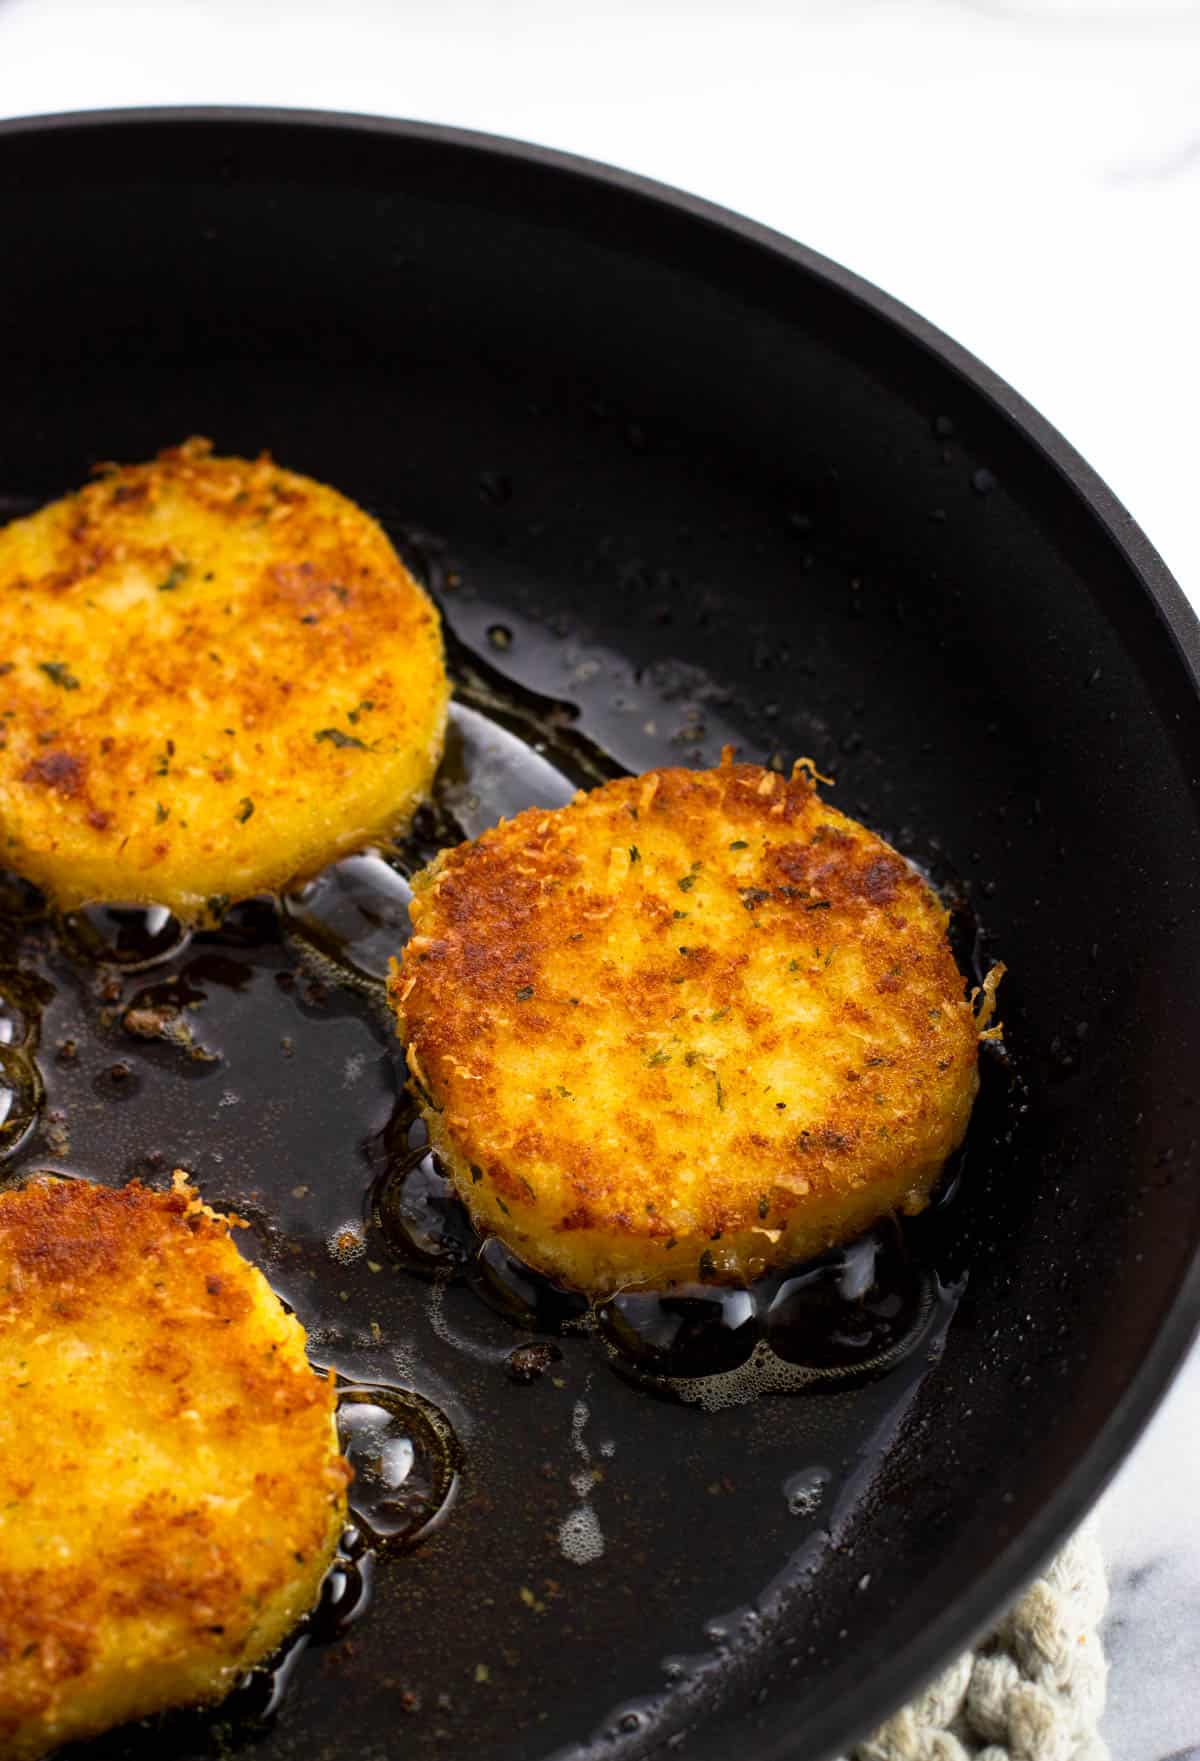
point(217, 676)
point(695, 1023)
point(171, 1491)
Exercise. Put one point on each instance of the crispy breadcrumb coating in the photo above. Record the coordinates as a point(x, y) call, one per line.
point(215, 676)
point(693, 1024)
point(171, 1491)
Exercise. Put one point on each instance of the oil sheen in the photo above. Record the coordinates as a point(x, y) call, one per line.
point(513, 1444)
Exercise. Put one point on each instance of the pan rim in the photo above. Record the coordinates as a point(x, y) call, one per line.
point(894, 1677)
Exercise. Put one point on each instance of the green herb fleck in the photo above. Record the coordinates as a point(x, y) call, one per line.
point(764, 1206)
point(680, 915)
point(336, 737)
point(175, 576)
point(161, 813)
point(793, 965)
point(686, 883)
point(217, 904)
point(60, 674)
point(503, 1206)
point(719, 1014)
point(635, 854)
point(565, 1094)
point(245, 809)
point(657, 1058)
point(818, 905)
point(739, 844)
point(364, 708)
point(476, 1173)
point(524, 994)
point(720, 1093)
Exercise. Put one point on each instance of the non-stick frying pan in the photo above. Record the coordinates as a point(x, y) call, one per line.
point(689, 482)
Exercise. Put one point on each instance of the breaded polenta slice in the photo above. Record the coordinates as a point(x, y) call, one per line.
point(693, 1024)
point(171, 1491)
point(217, 676)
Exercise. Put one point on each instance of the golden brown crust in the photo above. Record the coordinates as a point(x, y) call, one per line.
point(170, 1486)
point(694, 1021)
point(217, 675)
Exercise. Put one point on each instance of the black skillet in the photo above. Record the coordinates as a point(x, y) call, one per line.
point(672, 471)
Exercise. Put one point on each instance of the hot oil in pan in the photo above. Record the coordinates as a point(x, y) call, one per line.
point(261, 1057)
point(853, 1312)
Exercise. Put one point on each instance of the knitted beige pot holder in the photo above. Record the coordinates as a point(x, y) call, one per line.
point(1032, 1690)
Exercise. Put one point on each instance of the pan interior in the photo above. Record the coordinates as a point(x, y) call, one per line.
point(693, 491)
point(262, 1058)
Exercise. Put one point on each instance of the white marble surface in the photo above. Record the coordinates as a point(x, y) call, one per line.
point(1024, 172)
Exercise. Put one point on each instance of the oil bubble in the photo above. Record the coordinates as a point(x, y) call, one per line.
point(347, 1589)
point(804, 1491)
point(20, 1098)
point(522, 1294)
point(347, 1243)
point(405, 1459)
point(700, 1330)
point(580, 1537)
point(20, 1008)
point(133, 937)
point(847, 1309)
point(419, 1214)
